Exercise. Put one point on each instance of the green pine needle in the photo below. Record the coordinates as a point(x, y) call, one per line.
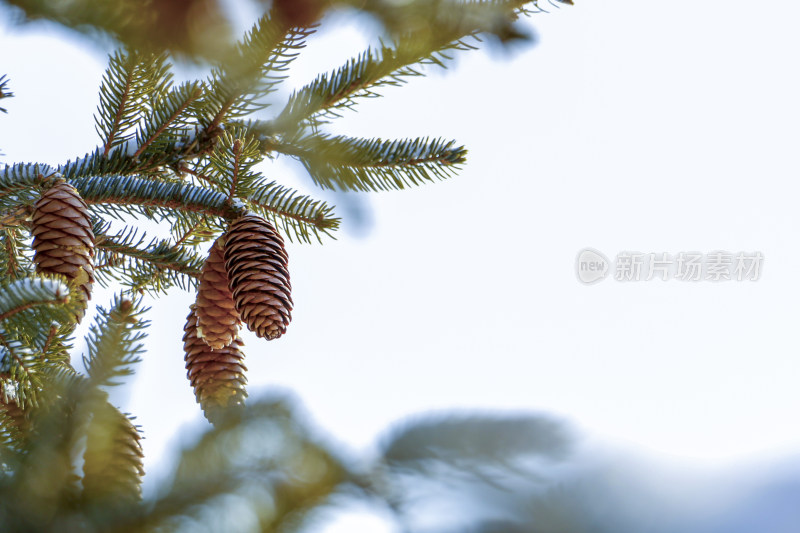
point(131, 79)
point(344, 163)
point(115, 342)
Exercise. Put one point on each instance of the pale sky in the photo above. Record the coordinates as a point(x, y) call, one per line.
point(631, 125)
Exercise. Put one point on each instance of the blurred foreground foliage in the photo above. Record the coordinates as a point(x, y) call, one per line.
point(265, 468)
point(202, 29)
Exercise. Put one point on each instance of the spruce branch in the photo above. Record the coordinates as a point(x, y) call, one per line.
point(299, 216)
point(12, 429)
point(228, 167)
point(236, 167)
point(346, 163)
point(130, 79)
point(13, 264)
point(156, 264)
point(238, 87)
point(105, 192)
point(50, 340)
point(18, 377)
point(32, 308)
point(121, 161)
point(16, 217)
point(424, 33)
point(24, 176)
point(193, 230)
point(170, 116)
point(330, 93)
point(115, 342)
point(97, 163)
point(27, 293)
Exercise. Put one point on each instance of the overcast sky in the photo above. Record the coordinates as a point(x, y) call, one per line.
point(631, 125)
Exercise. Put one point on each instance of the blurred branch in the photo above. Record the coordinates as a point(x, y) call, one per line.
point(196, 28)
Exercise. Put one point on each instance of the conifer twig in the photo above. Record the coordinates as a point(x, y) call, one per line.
point(176, 114)
point(19, 216)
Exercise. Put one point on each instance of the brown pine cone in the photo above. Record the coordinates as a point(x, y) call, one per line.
point(257, 266)
point(112, 462)
point(63, 240)
point(217, 318)
point(217, 376)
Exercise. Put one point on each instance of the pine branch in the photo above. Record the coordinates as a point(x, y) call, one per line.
point(238, 87)
point(23, 176)
point(374, 164)
point(14, 264)
point(144, 265)
point(229, 166)
point(109, 191)
point(20, 186)
point(18, 379)
point(9, 262)
point(299, 216)
point(24, 294)
point(424, 33)
point(13, 219)
point(168, 116)
point(193, 231)
point(41, 314)
point(12, 421)
point(115, 342)
point(130, 80)
point(172, 152)
point(229, 170)
point(97, 163)
point(330, 93)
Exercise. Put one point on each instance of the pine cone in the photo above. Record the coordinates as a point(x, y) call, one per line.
point(112, 462)
point(217, 376)
point(217, 318)
point(63, 240)
point(256, 262)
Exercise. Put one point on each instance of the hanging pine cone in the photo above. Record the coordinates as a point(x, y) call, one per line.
point(217, 318)
point(217, 376)
point(256, 262)
point(112, 462)
point(63, 240)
